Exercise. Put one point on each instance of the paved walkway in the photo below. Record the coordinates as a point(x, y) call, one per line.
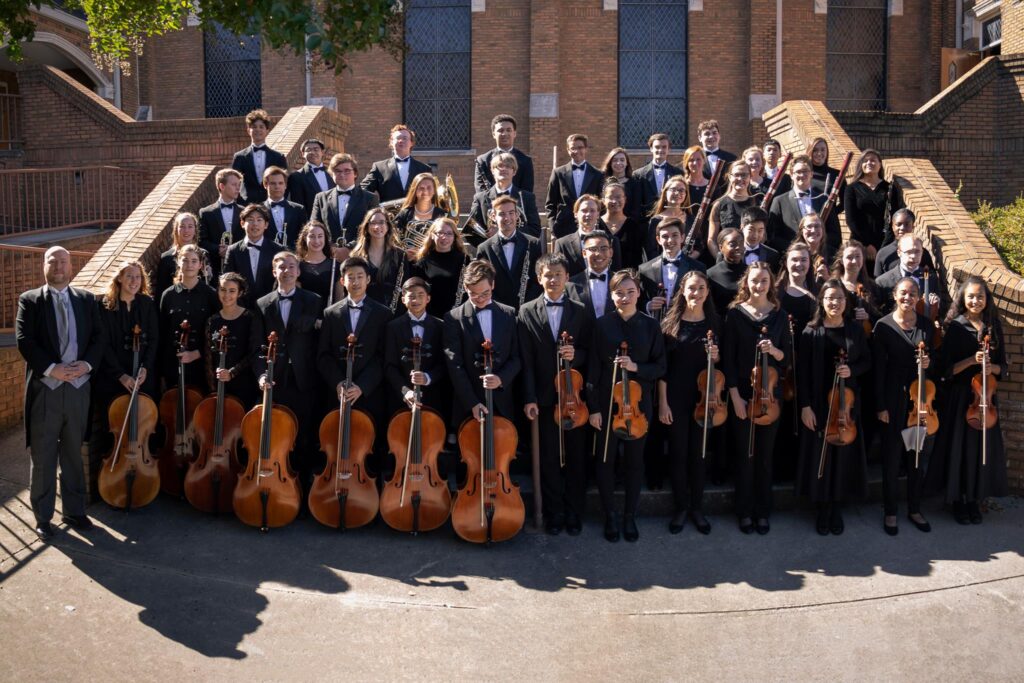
point(166, 593)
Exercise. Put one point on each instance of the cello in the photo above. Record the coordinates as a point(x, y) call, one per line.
point(763, 408)
point(177, 408)
point(840, 427)
point(711, 410)
point(982, 414)
point(268, 493)
point(129, 477)
point(922, 414)
point(211, 478)
point(344, 496)
point(417, 498)
point(488, 508)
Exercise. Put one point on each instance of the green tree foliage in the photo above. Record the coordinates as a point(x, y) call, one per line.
point(329, 29)
point(1004, 226)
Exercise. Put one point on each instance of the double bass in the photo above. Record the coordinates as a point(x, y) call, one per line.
point(488, 507)
point(130, 477)
point(840, 427)
point(211, 478)
point(922, 414)
point(177, 408)
point(711, 410)
point(268, 493)
point(417, 497)
point(344, 496)
point(982, 414)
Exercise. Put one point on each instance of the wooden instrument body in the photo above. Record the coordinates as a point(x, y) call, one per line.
point(344, 496)
point(212, 476)
point(923, 394)
point(268, 475)
point(628, 422)
point(841, 429)
point(427, 503)
point(711, 401)
point(764, 408)
point(571, 411)
point(178, 449)
point(134, 480)
point(862, 302)
point(974, 418)
point(501, 501)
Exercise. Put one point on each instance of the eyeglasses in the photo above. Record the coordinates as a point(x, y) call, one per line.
point(597, 250)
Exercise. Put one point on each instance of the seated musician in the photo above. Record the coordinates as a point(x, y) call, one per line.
point(389, 178)
point(503, 168)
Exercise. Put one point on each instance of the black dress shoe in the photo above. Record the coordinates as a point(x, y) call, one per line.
point(552, 528)
point(573, 525)
point(677, 522)
point(44, 531)
point(960, 513)
point(629, 530)
point(822, 526)
point(700, 522)
point(835, 524)
point(747, 525)
point(974, 512)
point(923, 526)
point(611, 528)
point(891, 530)
point(77, 522)
point(763, 527)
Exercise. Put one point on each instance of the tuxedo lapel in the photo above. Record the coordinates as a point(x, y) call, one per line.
point(50, 316)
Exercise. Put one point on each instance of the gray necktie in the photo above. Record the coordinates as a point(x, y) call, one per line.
point(62, 324)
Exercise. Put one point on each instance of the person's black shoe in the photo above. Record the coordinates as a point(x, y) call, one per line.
point(960, 513)
point(747, 525)
point(822, 525)
point(553, 528)
point(974, 512)
point(629, 530)
point(677, 522)
point(763, 527)
point(700, 522)
point(891, 529)
point(835, 524)
point(922, 525)
point(611, 528)
point(44, 531)
point(77, 522)
point(573, 525)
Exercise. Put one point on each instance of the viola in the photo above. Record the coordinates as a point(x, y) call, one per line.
point(628, 422)
point(488, 507)
point(571, 411)
point(177, 409)
point(841, 428)
point(930, 310)
point(711, 409)
point(211, 478)
point(130, 477)
point(417, 498)
point(922, 393)
point(763, 408)
point(982, 414)
point(268, 493)
point(862, 302)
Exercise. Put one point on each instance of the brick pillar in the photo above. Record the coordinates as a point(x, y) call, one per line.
point(1013, 27)
point(544, 92)
point(763, 64)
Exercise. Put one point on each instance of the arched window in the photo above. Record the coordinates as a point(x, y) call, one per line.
point(232, 66)
point(855, 54)
point(652, 71)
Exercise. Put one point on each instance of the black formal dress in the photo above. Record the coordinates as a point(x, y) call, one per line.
point(514, 284)
point(306, 183)
point(325, 210)
point(177, 305)
point(483, 179)
point(865, 211)
point(316, 278)
point(727, 211)
point(212, 229)
point(631, 236)
point(562, 195)
point(238, 260)
point(240, 354)
point(253, 191)
point(725, 283)
point(167, 271)
point(386, 280)
point(443, 271)
point(787, 442)
point(286, 222)
point(385, 180)
point(529, 217)
point(822, 174)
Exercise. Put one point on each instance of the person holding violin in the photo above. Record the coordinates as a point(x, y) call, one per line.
point(755, 348)
point(243, 325)
point(834, 354)
point(910, 250)
point(193, 300)
point(894, 352)
point(545, 355)
point(627, 356)
point(887, 258)
point(968, 464)
point(690, 319)
point(725, 276)
point(398, 367)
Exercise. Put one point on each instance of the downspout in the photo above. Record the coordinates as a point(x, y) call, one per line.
point(778, 49)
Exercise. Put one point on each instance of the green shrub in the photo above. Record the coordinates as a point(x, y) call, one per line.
point(1004, 226)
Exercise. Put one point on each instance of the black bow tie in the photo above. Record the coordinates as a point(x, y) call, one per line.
point(709, 152)
point(252, 245)
point(319, 169)
point(355, 307)
point(560, 302)
point(751, 250)
point(227, 206)
point(659, 166)
point(485, 308)
point(579, 167)
point(595, 276)
point(414, 322)
point(286, 297)
point(502, 241)
point(803, 194)
point(503, 192)
point(348, 192)
point(916, 274)
point(672, 262)
point(274, 205)
point(259, 148)
point(401, 161)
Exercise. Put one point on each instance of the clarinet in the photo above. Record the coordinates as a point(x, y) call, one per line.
point(459, 291)
point(398, 286)
point(524, 277)
point(887, 214)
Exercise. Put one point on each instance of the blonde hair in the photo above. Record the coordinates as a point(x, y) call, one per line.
point(112, 296)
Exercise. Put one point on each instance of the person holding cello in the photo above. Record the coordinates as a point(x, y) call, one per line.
point(834, 353)
point(548, 359)
point(690, 327)
point(625, 359)
point(969, 463)
point(895, 341)
point(755, 348)
point(243, 325)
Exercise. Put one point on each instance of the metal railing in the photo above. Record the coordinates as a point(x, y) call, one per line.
point(10, 122)
point(35, 199)
point(21, 269)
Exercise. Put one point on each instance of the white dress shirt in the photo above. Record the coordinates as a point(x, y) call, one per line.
point(598, 291)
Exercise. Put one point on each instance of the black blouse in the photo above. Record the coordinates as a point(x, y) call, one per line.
point(441, 270)
point(241, 331)
point(118, 355)
point(894, 355)
point(686, 357)
point(195, 305)
point(728, 211)
point(865, 211)
point(739, 343)
point(316, 277)
point(646, 349)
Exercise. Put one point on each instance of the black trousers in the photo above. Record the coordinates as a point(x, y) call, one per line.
point(753, 474)
point(563, 489)
point(632, 471)
point(687, 467)
point(893, 455)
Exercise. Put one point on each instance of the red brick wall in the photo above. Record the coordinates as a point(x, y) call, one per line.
point(171, 76)
point(12, 376)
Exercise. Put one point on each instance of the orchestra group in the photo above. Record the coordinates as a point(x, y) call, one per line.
point(314, 345)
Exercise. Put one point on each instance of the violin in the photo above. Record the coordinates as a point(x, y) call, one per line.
point(922, 393)
point(211, 477)
point(268, 493)
point(628, 422)
point(764, 408)
point(862, 301)
point(417, 498)
point(982, 414)
point(930, 310)
point(711, 409)
point(488, 507)
point(130, 477)
point(840, 429)
point(571, 411)
point(177, 409)
point(344, 496)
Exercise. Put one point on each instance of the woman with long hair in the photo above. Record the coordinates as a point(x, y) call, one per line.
point(823, 176)
point(422, 203)
point(728, 209)
point(243, 326)
point(378, 243)
point(125, 304)
point(615, 198)
point(316, 267)
point(867, 200)
point(440, 261)
point(812, 234)
point(671, 204)
point(184, 230)
point(759, 180)
point(191, 299)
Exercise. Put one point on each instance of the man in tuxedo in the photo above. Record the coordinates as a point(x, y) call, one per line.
point(709, 136)
point(389, 178)
point(659, 277)
point(59, 335)
point(541, 324)
point(343, 208)
point(503, 169)
point(513, 254)
point(286, 218)
point(432, 376)
point(310, 180)
point(648, 180)
point(253, 256)
point(591, 285)
point(570, 182)
point(503, 129)
point(887, 258)
point(910, 250)
point(772, 153)
point(465, 330)
point(787, 209)
point(587, 212)
point(752, 226)
point(220, 223)
point(256, 158)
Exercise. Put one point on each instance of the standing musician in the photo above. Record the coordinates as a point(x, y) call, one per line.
point(660, 277)
point(193, 300)
point(627, 230)
point(709, 136)
point(389, 178)
point(963, 467)
point(243, 326)
point(253, 256)
point(823, 174)
point(310, 180)
point(649, 180)
point(811, 234)
point(61, 339)
point(252, 161)
point(503, 169)
point(184, 230)
point(591, 286)
point(671, 204)
point(686, 325)
point(868, 200)
point(513, 254)
point(728, 209)
point(343, 208)
point(788, 208)
point(503, 130)
point(441, 261)
point(909, 249)
point(753, 222)
point(563, 457)
point(759, 180)
point(422, 203)
point(569, 183)
point(894, 345)
point(887, 258)
point(220, 223)
point(726, 275)
point(286, 217)
point(318, 271)
point(587, 212)
point(465, 329)
point(832, 474)
point(645, 362)
point(756, 306)
point(433, 375)
point(381, 249)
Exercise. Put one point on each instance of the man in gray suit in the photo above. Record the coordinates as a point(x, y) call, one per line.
point(60, 338)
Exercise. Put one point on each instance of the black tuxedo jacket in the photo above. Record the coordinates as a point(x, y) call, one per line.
point(483, 201)
point(766, 254)
point(886, 282)
point(294, 219)
point(886, 259)
point(253, 191)
point(325, 210)
point(368, 370)
point(385, 181)
point(35, 329)
point(579, 289)
point(297, 342)
point(562, 196)
point(483, 179)
point(571, 247)
point(211, 227)
point(723, 157)
point(303, 187)
point(397, 365)
point(784, 221)
point(508, 281)
point(645, 189)
point(651, 276)
point(538, 348)
point(462, 339)
point(260, 282)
